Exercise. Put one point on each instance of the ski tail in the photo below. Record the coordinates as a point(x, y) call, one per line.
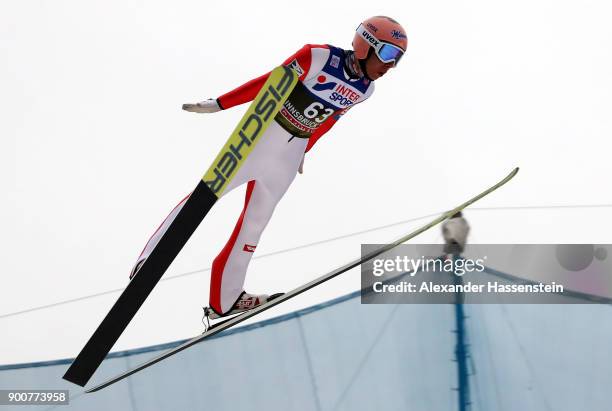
point(251, 127)
point(131, 299)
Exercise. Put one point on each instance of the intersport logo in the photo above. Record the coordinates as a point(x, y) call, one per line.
point(323, 84)
point(342, 94)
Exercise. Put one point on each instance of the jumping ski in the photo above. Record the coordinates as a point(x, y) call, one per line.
point(253, 124)
point(230, 322)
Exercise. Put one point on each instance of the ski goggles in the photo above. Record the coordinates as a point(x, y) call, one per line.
point(386, 52)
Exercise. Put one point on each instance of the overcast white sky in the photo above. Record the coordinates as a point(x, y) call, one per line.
point(96, 151)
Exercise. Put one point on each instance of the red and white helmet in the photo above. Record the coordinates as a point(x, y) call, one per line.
point(385, 35)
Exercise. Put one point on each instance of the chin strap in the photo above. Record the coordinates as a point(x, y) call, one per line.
point(363, 69)
point(352, 66)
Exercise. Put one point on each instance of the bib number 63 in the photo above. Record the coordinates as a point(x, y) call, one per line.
point(318, 112)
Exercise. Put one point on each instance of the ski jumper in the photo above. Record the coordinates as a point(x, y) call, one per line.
point(328, 87)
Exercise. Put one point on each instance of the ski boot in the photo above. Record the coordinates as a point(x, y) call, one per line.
point(244, 303)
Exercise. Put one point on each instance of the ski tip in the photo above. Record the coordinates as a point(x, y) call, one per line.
point(514, 171)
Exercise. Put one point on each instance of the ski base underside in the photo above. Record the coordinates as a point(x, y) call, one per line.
point(228, 323)
point(108, 332)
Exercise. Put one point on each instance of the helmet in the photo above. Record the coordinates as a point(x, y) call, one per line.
point(385, 35)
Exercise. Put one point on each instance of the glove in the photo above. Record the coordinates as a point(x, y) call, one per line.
point(206, 106)
point(455, 231)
